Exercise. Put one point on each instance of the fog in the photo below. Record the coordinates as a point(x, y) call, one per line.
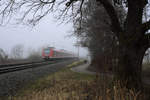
point(48, 32)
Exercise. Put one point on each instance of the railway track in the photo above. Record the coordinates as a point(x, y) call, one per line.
point(22, 66)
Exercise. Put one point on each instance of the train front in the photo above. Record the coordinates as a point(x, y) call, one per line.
point(47, 53)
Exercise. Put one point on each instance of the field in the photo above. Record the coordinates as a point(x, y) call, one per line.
point(69, 85)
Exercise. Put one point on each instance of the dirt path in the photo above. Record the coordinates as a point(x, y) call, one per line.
point(82, 69)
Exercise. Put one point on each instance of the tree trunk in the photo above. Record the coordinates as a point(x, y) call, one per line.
point(129, 68)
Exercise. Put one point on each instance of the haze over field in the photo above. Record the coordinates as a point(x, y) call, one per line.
point(47, 33)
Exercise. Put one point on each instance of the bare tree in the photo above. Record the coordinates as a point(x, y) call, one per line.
point(34, 54)
point(17, 51)
point(95, 33)
point(132, 35)
point(3, 56)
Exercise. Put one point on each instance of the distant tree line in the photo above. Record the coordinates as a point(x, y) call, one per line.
point(17, 55)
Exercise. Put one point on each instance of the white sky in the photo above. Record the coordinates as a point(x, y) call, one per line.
point(47, 32)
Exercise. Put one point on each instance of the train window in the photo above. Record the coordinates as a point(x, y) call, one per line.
point(46, 51)
point(55, 54)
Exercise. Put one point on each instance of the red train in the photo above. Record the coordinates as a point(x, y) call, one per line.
point(51, 53)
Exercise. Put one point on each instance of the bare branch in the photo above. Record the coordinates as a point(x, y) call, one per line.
point(47, 2)
point(146, 41)
point(146, 26)
point(113, 16)
point(70, 2)
point(33, 10)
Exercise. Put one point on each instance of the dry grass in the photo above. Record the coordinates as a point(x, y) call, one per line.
point(146, 70)
point(77, 63)
point(68, 85)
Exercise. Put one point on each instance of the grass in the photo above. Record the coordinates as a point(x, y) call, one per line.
point(146, 66)
point(56, 79)
point(146, 70)
point(77, 63)
point(69, 85)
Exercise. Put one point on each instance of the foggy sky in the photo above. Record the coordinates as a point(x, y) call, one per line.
point(47, 33)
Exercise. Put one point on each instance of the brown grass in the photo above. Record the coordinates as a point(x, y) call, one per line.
point(68, 85)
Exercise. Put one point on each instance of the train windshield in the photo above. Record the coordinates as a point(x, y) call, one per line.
point(46, 51)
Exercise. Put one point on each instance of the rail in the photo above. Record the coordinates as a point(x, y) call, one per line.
point(22, 66)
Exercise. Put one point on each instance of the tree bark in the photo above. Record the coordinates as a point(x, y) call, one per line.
point(129, 69)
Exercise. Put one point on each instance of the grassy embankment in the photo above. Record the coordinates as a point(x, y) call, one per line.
point(69, 85)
